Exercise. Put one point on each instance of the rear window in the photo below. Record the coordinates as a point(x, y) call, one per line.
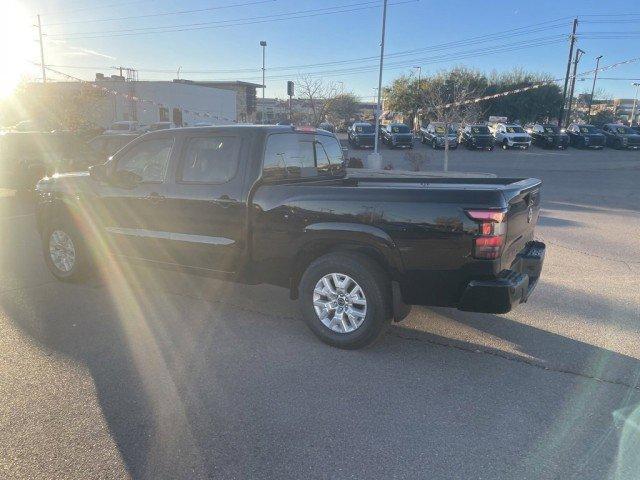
point(480, 130)
point(514, 130)
point(440, 130)
point(294, 155)
point(551, 129)
point(585, 129)
point(120, 126)
point(210, 160)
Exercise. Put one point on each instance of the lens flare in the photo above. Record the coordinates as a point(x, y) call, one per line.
point(17, 38)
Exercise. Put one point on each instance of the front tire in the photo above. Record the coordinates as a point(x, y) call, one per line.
point(505, 144)
point(64, 252)
point(345, 300)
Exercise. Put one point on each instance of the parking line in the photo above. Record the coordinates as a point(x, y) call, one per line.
point(15, 217)
point(546, 153)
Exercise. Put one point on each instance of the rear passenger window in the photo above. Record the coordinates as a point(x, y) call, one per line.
point(289, 155)
point(210, 160)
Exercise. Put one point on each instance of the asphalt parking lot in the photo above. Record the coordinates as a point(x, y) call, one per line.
point(150, 374)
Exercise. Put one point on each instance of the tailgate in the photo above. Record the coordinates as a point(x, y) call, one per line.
point(522, 217)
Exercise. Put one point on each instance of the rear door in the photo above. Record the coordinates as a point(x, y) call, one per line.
point(204, 214)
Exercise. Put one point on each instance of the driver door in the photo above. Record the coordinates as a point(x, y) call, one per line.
point(131, 209)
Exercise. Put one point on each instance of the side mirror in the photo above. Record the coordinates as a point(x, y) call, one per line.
point(98, 172)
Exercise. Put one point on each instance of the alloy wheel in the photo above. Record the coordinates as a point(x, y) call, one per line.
point(339, 303)
point(62, 251)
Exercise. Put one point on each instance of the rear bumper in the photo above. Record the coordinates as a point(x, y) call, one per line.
point(364, 141)
point(510, 288)
point(402, 142)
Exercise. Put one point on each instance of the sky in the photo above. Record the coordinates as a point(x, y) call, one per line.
point(336, 40)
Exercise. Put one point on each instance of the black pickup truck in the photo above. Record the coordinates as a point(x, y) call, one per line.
point(272, 204)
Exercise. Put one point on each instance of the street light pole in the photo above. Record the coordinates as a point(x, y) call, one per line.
point(593, 86)
point(378, 106)
point(635, 102)
point(263, 44)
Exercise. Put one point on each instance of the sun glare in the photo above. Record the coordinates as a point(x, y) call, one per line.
point(17, 40)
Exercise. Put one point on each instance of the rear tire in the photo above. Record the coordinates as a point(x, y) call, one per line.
point(434, 144)
point(321, 312)
point(64, 252)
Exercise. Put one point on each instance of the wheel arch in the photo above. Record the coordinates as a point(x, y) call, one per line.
point(366, 240)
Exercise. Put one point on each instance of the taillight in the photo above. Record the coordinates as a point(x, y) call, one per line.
point(492, 228)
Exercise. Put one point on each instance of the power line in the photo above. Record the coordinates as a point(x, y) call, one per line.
point(224, 24)
point(94, 7)
point(489, 50)
point(551, 24)
point(150, 15)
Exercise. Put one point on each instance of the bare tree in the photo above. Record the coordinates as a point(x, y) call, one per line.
point(446, 100)
point(318, 94)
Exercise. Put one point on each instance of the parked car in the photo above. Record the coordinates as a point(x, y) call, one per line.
point(621, 137)
point(361, 134)
point(126, 126)
point(161, 126)
point(477, 137)
point(547, 135)
point(434, 135)
point(26, 157)
point(327, 127)
point(355, 251)
point(636, 128)
point(397, 135)
point(511, 136)
point(107, 144)
point(585, 136)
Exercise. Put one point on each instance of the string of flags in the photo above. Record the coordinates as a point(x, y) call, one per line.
point(135, 98)
point(537, 85)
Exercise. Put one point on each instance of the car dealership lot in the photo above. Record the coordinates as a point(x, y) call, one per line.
point(152, 374)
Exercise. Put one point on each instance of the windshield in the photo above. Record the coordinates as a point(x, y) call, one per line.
point(364, 128)
point(624, 130)
point(514, 130)
point(400, 129)
point(480, 130)
point(587, 129)
point(551, 129)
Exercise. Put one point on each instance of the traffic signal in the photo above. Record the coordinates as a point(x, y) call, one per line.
point(290, 88)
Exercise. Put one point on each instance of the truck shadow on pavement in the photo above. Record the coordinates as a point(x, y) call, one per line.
point(204, 383)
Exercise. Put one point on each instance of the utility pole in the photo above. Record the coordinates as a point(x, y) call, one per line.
point(263, 44)
point(44, 70)
point(593, 86)
point(579, 54)
point(566, 77)
point(415, 117)
point(379, 106)
point(635, 102)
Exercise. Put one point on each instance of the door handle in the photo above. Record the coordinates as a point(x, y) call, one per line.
point(225, 201)
point(154, 198)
